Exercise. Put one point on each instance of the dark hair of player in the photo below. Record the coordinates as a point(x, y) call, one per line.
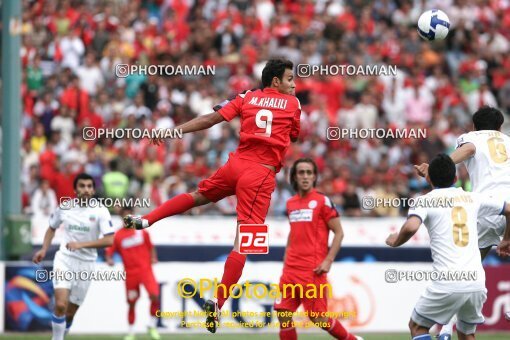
point(83, 176)
point(293, 172)
point(442, 171)
point(487, 118)
point(275, 68)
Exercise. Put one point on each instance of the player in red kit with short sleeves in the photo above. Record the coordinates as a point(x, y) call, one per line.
point(138, 254)
point(308, 257)
point(269, 122)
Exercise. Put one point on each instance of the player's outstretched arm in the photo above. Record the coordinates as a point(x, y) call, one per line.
point(463, 152)
point(196, 124)
point(503, 248)
point(335, 225)
point(48, 237)
point(104, 242)
point(407, 231)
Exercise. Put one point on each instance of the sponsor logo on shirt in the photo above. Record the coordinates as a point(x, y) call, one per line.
point(132, 241)
point(301, 215)
point(80, 228)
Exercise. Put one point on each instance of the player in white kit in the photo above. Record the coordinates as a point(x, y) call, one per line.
point(83, 224)
point(452, 226)
point(485, 153)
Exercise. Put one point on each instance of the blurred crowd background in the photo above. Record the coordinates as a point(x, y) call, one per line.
point(70, 49)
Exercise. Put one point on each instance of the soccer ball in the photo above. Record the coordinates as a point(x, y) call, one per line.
point(433, 25)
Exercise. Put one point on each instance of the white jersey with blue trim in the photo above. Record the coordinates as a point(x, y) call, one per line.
point(82, 224)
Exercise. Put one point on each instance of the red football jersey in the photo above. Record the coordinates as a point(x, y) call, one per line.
point(269, 119)
point(135, 248)
point(309, 232)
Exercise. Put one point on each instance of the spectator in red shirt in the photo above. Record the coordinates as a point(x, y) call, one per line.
point(62, 182)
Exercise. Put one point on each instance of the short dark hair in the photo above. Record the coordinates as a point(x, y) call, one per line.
point(114, 165)
point(442, 171)
point(275, 68)
point(487, 118)
point(83, 176)
point(293, 172)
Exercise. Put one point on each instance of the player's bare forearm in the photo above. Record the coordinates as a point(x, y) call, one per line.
point(48, 237)
point(201, 122)
point(407, 231)
point(335, 225)
point(99, 243)
point(462, 153)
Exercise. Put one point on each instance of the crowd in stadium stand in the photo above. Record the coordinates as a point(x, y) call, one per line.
point(70, 49)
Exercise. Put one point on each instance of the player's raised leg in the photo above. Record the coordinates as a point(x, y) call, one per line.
point(220, 185)
point(253, 190)
point(232, 272)
point(174, 206)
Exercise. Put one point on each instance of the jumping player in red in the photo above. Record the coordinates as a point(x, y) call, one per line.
point(269, 122)
point(307, 259)
point(138, 254)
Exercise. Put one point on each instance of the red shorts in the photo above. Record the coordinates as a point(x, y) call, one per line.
point(134, 280)
point(251, 182)
point(291, 299)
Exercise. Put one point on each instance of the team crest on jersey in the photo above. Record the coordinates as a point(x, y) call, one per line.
point(301, 215)
point(312, 204)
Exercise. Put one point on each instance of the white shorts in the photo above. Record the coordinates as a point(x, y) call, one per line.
point(490, 230)
point(436, 307)
point(68, 264)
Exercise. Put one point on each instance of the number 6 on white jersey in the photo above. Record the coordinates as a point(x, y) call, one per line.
point(264, 124)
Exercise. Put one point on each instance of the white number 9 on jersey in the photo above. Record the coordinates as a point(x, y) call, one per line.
point(264, 123)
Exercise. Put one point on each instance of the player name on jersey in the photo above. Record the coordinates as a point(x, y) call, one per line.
point(275, 103)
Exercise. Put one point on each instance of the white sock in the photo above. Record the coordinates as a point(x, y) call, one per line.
point(154, 321)
point(448, 328)
point(131, 330)
point(58, 326)
point(145, 223)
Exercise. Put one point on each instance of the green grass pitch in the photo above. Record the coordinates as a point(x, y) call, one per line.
point(262, 336)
